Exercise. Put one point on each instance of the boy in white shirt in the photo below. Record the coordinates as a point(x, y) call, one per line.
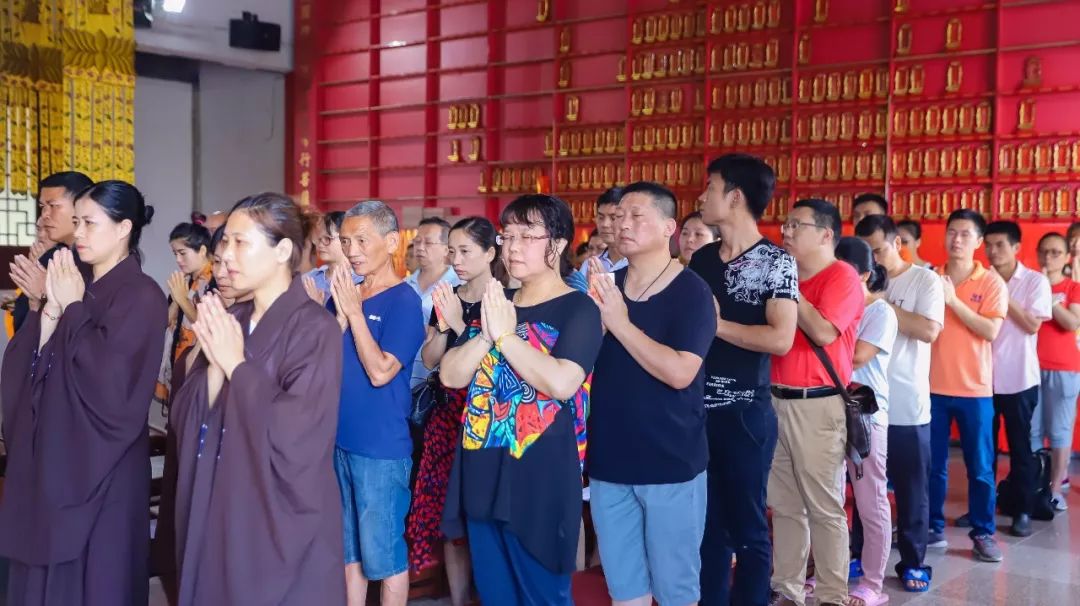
point(1016, 362)
point(916, 296)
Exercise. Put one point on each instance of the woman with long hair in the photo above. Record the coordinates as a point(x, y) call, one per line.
point(872, 533)
point(258, 515)
point(77, 383)
point(515, 487)
point(190, 244)
point(473, 251)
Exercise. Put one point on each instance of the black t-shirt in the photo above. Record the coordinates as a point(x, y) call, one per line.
point(470, 314)
point(733, 375)
point(520, 455)
point(643, 431)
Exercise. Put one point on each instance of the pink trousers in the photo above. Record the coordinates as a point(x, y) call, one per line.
point(872, 499)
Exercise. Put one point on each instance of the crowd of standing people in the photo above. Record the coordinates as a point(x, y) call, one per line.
point(333, 423)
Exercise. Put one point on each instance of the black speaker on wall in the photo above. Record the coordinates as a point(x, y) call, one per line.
point(250, 33)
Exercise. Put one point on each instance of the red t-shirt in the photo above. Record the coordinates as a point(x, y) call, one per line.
point(1058, 347)
point(837, 293)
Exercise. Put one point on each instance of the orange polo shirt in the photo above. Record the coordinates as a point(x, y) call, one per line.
point(961, 361)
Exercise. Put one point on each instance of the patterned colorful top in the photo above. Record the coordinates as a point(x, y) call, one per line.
point(521, 453)
point(502, 411)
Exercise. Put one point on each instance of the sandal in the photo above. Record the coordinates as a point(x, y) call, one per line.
point(913, 576)
point(866, 596)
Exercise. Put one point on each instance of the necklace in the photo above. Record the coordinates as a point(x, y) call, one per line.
point(651, 284)
point(467, 306)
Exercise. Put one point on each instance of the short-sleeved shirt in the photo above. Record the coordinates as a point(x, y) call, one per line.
point(470, 315)
point(605, 260)
point(743, 286)
point(373, 421)
point(837, 294)
point(1057, 346)
point(962, 361)
point(419, 372)
point(641, 430)
point(321, 276)
point(520, 456)
point(916, 290)
point(1016, 355)
point(878, 328)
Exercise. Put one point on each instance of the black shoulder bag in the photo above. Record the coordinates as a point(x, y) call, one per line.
point(425, 397)
point(860, 404)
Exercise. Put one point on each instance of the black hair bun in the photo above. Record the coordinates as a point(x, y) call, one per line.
point(148, 214)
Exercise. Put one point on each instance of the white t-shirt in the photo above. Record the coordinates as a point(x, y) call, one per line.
point(1016, 356)
point(917, 290)
point(878, 328)
point(419, 371)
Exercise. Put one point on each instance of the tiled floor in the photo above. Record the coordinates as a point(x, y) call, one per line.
point(1040, 570)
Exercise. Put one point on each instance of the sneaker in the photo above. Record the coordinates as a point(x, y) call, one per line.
point(936, 540)
point(1065, 484)
point(1059, 503)
point(963, 521)
point(986, 548)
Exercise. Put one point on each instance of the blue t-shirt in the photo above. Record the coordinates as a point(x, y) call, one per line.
point(642, 431)
point(374, 421)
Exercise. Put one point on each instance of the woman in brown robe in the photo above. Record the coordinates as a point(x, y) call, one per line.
point(77, 382)
point(163, 548)
point(258, 514)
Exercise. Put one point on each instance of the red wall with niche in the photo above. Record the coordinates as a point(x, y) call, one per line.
point(461, 105)
point(921, 98)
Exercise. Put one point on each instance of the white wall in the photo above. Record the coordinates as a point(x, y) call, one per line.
point(201, 32)
point(164, 167)
point(241, 134)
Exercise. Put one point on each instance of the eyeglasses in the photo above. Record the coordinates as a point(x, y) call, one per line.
point(327, 240)
point(791, 226)
point(509, 239)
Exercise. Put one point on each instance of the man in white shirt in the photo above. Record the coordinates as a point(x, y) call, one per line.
point(432, 259)
point(916, 296)
point(607, 206)
point(1016, 363)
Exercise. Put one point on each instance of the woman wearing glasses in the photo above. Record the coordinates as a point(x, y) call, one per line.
point(327, 240)
point(1059, 361)
point(515, 487)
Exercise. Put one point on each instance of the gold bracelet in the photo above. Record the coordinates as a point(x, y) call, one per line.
point(498, 342)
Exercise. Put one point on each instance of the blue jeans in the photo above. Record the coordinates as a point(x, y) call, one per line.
point(507, 575)
point(742, 441)
point(375, 500)
point(975, 418)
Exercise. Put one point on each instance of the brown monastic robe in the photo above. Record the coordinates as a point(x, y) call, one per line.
point(257, 506)
point(74, 518)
